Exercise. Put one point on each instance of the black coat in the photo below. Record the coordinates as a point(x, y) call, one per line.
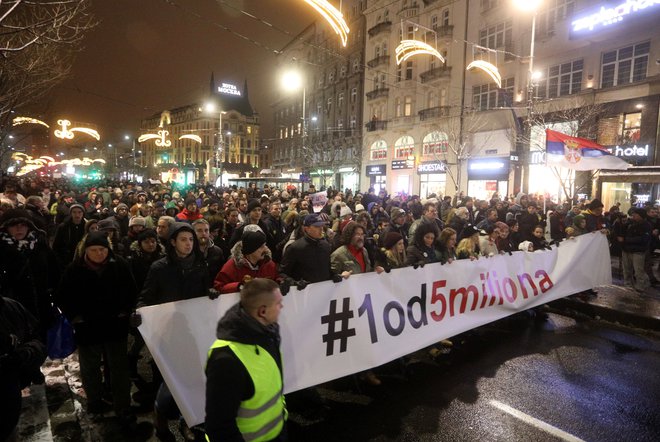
point(168, 281)
point(30, 277)
point(67, 237)
point(98, 304)
point(140, 262)
point(307, 259)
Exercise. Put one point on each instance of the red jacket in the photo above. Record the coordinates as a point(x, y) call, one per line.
point(232, 273)
point(189, 217)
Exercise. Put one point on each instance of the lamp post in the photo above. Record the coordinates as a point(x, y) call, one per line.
point(211, 107)
point(524, 147)
point(293, 81)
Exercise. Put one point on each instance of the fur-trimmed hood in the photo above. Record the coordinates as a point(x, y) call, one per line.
point(239, 259)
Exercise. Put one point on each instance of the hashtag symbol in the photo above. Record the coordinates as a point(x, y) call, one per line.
point(344, 331)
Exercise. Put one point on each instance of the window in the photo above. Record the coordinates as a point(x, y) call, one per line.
point(342, 71)
point(445, 17)
point(356, 64)
point(329, 103)
point(382, 81)
point(353, 122)
point(340, 124)
point(407, 106)
point(410, 34)
point(622, 129)
point(377, 51)
point(497, 36)
point(554, 11)
point(562, 79)
point(384, 48)
point(489, 4)
point(340, 99)
point(625, 65)
point(404, 147)
point(486, 96)
point(409, 70)
point(398, 111)
point(399, 71)
point(331, 76)
point(432, 99)
point(353, 95)
point(378, 150)
point(432, 61)
point(434, 22)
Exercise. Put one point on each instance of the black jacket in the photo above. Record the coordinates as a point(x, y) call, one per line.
point(98, 303)
point(141, 262)
point(275, 234)
point(169, 281)
point(307, 259)
point(637, 237)
point(228, 382)
point(67, 237)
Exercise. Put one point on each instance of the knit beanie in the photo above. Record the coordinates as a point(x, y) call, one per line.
point(391, 239)
point(252, 241)
point(146, 234)
point(137, 221)
point(253, 204)
point(76, 206)
point(97, 239)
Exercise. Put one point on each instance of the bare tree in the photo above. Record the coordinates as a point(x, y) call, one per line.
point(38, 40)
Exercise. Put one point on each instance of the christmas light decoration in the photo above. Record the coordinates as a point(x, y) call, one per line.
point(68, 134)
point(196, 138)
point(161, 138)
point(333, 16)
point(27, 120)
point(489, 68)
point(409, 48)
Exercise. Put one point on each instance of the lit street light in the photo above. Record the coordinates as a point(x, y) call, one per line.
point(211, 107)
point(524, 148)
point(293, 81)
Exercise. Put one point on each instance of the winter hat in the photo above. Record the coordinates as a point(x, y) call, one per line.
point(137, 221)
point(121, 206)
point(252, 228)
point(97, 239)
point(578, 218)
point(146, 234)
point(89, 223)
point(391, 239)
point(108, 224)
point(640, 212)
point(524, 246)
point(469, 230)
point(171, 205)
point(17, 216)
point(397, 212)
point(345, 211)
point(253, 204)
point(359, 207)
point(313, 219)
point(74, 206)
point(595, 204)
point(252, 241)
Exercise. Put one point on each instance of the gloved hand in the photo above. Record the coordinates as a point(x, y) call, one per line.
point(213, 293)
point(135, 320)
point(302, 284)
point(285, 286)
point(336, 278)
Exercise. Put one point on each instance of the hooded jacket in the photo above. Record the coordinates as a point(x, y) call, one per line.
point(228, 382)
point(172, 279)
point(237, 267)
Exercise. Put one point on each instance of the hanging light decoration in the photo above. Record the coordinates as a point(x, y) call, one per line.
point(68, 134)
point(410, 48)
point(27, 120)
point(193, 137)
point(161, 138)
point(333, 16)
point(489, 68)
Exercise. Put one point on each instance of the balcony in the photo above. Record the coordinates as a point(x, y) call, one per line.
point(382, 92)
point(376, 125)
point(433, 112)
point(380, 27)
point(374, 62)
point(409, 11)
point(435, 74)
point(440, 31)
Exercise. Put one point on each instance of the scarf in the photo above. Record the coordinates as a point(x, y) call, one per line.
point(24, 245)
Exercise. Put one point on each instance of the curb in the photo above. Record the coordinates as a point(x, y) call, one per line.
point(607, 314)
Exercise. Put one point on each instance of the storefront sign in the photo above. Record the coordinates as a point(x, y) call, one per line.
point(379, 169)
point(403, 164)
point(229, 89)
point(609, 15)
point(432, 167)
point(630, 151)
point(537, 158)
point(488, 168)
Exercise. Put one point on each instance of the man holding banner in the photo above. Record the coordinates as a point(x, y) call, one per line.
point(244, 383)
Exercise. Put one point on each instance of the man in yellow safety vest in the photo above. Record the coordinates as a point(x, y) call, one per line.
point(244, 390)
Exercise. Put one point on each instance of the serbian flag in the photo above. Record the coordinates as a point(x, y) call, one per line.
point(579, 153)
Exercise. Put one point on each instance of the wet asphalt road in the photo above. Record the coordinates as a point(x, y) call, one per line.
point(515, 380)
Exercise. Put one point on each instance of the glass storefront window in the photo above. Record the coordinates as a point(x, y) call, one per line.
point(617, 192)
point(484, 189)
point(432, 183)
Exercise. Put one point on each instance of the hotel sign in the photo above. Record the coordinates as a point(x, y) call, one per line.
point(229, 89)
point(609, 15)
point(633, 151)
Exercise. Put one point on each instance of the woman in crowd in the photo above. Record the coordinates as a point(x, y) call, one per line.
point(447, 245)
point(488, 241)
point(393, 253)
point(468, 247)
point(423, 249)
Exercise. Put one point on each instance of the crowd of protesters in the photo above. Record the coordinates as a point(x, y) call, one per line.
point(99, 251)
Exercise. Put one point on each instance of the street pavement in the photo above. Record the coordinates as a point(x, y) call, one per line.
point(587, 373)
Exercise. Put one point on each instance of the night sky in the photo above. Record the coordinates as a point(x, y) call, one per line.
point(146, 56)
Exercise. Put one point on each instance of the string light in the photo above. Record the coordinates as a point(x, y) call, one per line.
point(32, 164)
point(409, 48)
point(27, 120)
point(68, 134)
point(161, 138)
point(489, 69)
point(332, 16)
point(196, 138)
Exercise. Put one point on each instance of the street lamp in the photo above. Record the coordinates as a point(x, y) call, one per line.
point(524, 149)
point(292, 81)
point(211, 107)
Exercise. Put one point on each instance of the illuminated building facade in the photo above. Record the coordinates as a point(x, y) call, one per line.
point(193, 130)
point(429, 125)
point(322, 143)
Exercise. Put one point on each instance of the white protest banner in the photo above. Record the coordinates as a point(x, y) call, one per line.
point(332, 330)
point(318, 200)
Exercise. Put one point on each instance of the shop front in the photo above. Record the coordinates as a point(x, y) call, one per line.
point(347, 178)
point(486, 176)
point(432, 178)
point(377, 175)
point(402, 176)
point(544, 181)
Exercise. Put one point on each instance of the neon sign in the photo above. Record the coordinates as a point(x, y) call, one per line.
point(230, 89)
point(606, 16)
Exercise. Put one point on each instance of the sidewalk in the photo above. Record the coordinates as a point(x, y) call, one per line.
point(616, 303)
